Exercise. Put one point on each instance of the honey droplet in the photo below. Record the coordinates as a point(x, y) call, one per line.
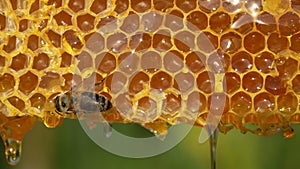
point(13, 150)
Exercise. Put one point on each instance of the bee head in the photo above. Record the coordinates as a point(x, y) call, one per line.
point(63, 103)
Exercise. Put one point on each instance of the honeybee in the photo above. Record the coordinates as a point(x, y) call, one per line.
point(72, 102)
point(86, 102)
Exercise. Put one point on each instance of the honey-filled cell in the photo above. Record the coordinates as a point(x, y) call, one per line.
point(287, 103)
point(264, 62)
point(277, 43)
point(197, 102)
point(197, 20)
point(2, 61)
point(295, 41)
point(41, 61)
point(220, 22)
point(117, 42)
point(137, 82)
point(11, 44)
point(241, 103)
point(140, 42)
point(186, 5)
point(131, 23)
point(152, 21)
point(161, 81)
point(275, 85)
point(121, 6)
point(172, 104)
point(209, 6)
point(254, 42)
point(242, 22)
point(206, 82)
point(289, 24)
point(218, 62)
point(174, 20)
point(266, 23)
point(173, 61)
point(252, 82)
point(17, 102)
point(19, 62)
point(28, 82)
point(184, 82)
point(98, 6)
point(33, 42)
point(94, 42)
point(195, 61)
point(7, 82)
point(38, 100)
point(63, 18)
point(116, 82)
point(76, 5)
point(231, 42)
point(85, 22)
point(231, 82)
point(128, 62)
point(105, 62)
point(2, 22)
point(162, 40)
point(140, 5)
point(264, 103)
point(151, 62)
point(242, 62)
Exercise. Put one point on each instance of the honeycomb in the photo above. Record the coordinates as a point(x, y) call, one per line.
point(160, 62)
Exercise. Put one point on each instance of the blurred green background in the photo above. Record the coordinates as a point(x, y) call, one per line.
point(68, 147)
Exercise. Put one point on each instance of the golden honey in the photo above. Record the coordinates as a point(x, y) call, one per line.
point(161, 62)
